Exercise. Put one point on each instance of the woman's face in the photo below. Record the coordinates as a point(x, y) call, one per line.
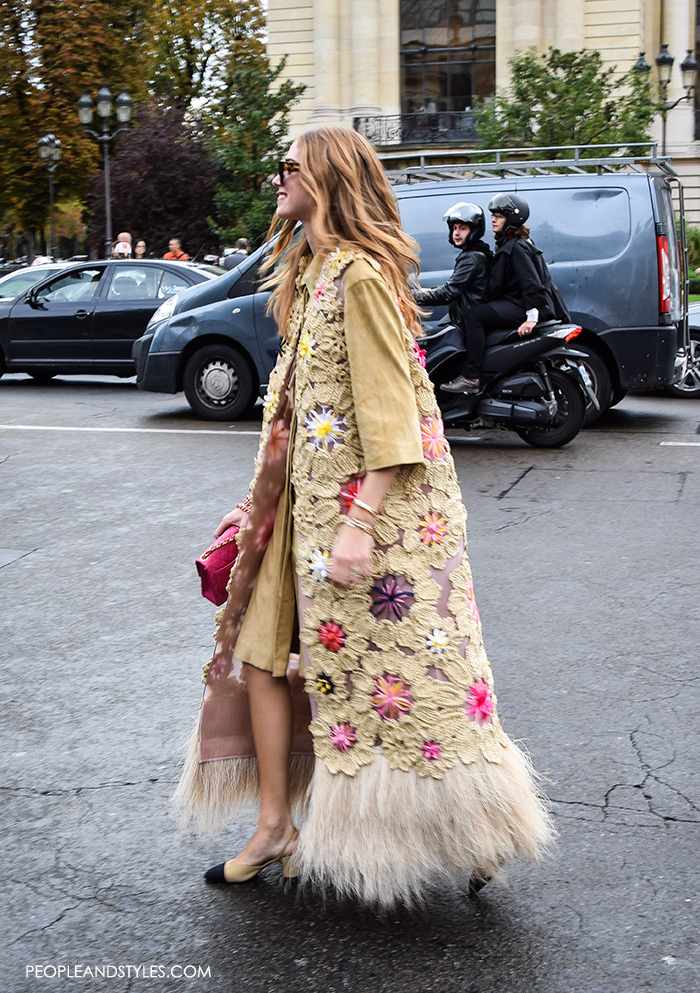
point(498, 223)
point(140, 249)
point(294, 203)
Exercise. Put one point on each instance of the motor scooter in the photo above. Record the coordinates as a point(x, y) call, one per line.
point(536, 386)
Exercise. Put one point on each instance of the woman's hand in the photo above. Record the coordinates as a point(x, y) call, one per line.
point(526, 328)
point(351, 556)
point(238, 517)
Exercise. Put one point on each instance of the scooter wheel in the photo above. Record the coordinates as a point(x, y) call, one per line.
point(568, 419)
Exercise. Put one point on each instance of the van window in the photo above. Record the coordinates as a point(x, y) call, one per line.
point(568, 225)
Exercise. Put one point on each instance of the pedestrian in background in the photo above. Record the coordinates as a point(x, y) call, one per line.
point(235, 258)
point(140, 249)
point(354, 551)
point(175, 251)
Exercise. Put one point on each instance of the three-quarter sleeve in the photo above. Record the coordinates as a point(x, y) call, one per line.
point(383, 393)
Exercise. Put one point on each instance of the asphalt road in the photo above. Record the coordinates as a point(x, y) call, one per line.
point(586, 565)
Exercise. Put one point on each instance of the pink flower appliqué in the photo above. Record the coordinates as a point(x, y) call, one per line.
point(419, 353)
point(432, 434)
point(331, 636)
point(433, 529)
point(350, 490)
point(342, 737)
point(431, 750)
point(479, 703)
point(319, 291)
point(391, 698)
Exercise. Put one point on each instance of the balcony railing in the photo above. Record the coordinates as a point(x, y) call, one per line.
point(443, 127)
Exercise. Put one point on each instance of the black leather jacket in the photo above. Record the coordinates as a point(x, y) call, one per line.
point(519, 273)
point(466, 287)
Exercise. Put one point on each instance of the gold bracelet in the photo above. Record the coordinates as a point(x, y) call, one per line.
point(364, 506)
point(353, 522)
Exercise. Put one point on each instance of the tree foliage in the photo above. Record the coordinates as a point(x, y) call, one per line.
point(196, 44)
point(162, 183)
point(250, 132)
point(198, 59)
point(566, 98)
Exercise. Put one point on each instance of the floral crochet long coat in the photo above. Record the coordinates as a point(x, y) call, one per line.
point(415, 782)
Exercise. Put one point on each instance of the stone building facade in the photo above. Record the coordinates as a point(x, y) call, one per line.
point(391, 60)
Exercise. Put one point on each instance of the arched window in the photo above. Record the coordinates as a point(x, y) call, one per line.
point(448, 50)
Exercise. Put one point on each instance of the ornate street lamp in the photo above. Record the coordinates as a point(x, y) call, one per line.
point(105, 103)
point(664, 68)
point(50, 149)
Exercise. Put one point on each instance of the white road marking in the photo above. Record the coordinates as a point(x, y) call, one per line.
point(51, 427)
point(681, 444)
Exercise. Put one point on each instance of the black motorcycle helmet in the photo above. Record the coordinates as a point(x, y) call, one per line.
point(466, 213)
point(514, 208)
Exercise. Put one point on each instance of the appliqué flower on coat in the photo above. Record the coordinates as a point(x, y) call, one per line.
point(349, 491)
point(432, 433)
point(479, 703)
point(431, 750)
point(319, 562)
point(342, 737)
point(392, 697)
point(437, 641)
point(306, 347)
point(319, 291)
point(270, 401)
point(324, 684)
point(331, 636)
point(471, 603)
point(390, 600)
point(433, 529)
point(324, 428)
point(419, 353)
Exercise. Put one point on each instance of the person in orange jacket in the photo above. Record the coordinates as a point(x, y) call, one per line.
point(175, 251)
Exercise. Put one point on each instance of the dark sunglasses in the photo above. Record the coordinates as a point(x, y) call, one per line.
point(286, 166)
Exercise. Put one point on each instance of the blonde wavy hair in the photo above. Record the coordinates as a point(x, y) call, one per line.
point(353, 206)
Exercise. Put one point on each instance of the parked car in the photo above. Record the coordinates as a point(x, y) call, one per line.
point(86, 317)
point(610, 241)
point(14, 284)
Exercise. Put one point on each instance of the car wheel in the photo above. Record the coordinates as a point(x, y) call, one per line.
point(601, 382)
point(689, 386)
point(218, 383)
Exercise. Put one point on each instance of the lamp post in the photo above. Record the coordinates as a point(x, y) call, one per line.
point(50, 149)
point(664, 68)
point(105, 103)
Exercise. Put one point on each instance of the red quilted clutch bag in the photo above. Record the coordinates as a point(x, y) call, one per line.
point(214, 566)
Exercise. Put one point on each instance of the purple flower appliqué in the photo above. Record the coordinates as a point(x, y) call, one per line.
point(342, 737)
point(431, 750)
point(390, 600)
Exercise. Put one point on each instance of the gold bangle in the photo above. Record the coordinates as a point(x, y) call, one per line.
point(353, 522)
point(364, 506)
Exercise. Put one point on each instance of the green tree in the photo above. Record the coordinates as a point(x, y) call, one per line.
point(566, 98)
point(250, 134)
point(196, 42)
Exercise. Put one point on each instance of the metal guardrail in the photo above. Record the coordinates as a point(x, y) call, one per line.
point(460, 163)
point(418, 129)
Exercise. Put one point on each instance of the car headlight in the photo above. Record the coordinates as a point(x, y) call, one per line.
point(165, 310)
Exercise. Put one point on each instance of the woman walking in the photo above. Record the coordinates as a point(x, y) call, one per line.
point(355, 549)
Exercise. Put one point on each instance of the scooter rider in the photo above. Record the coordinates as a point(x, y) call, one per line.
point(521, 291)
point(467, 286)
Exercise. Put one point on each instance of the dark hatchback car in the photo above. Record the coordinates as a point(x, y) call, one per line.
point(87, 317)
